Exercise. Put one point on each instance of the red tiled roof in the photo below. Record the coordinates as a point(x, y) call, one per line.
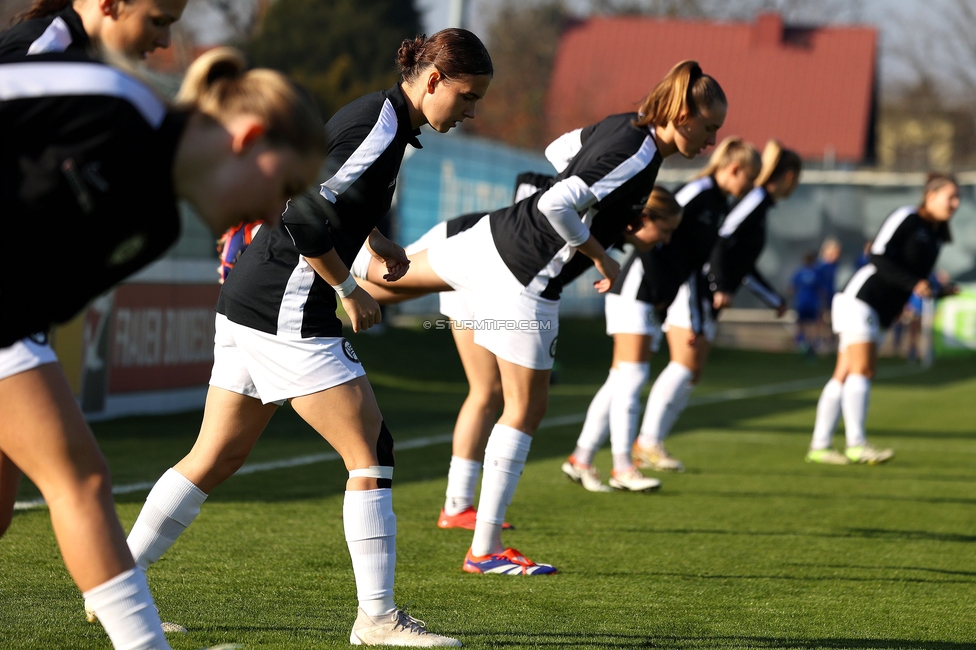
point(812, 88)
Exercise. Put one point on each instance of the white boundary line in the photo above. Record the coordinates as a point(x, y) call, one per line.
point(562, 420)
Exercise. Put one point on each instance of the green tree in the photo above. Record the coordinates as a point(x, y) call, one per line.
point(338, 49)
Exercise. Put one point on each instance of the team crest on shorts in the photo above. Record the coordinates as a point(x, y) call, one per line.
point(552, 348)
point(349, 351)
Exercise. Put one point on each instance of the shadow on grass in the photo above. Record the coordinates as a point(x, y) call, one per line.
point(501, 639)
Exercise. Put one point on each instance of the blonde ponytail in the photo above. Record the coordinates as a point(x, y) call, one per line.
point(685, 88)
point(732, 150)
point(776, 161)
point(219, 85)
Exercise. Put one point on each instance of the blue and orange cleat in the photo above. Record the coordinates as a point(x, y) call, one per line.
point(464, 519)
point(509, 562)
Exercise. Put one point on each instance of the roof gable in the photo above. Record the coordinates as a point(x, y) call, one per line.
point(811, 88)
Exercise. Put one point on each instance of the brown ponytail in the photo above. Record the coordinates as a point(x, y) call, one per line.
point(684, 89)
point(454, 52)
point(661, 205)
point(40, 9)
point(219, 85)
point(776, 161)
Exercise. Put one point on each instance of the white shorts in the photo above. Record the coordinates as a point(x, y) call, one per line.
point(456, 305)
point(630, 316)
point(509, 322)
point(26, 354)
point(274, 369)
point(854, 321)
point(679, 314)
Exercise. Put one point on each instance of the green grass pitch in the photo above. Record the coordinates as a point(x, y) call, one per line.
point(750, 548)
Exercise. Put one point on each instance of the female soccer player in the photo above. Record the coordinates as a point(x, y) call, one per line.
point(649, 283)
point(902, 256)
point(518, 259)
point(95, 159)
point(732, 263)
point(278, 337)
point(132, 28)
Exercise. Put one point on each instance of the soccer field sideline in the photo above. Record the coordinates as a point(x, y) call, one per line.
point(730, 395)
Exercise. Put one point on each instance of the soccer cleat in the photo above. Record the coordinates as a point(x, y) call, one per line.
point(397, 629)
point(509, 562)
point(868, 454)
point(633, 481)
point(655, 457)
point(585, 475)
point(464, 519)
point(827, 457)
point(90, 615)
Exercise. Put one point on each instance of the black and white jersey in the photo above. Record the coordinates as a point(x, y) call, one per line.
point(904, 252)
point(58, 32)
point(86, 185)
point(272, 288)
point(740, 243)
point(598, 192)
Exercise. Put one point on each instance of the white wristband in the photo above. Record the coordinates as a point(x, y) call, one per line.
point(347, 287)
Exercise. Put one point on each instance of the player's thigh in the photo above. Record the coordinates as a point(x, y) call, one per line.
point(348, 417)
point(526, 394)
point(631, 348)
point(480, 365)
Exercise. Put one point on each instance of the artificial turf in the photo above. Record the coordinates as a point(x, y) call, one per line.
point(750, 548)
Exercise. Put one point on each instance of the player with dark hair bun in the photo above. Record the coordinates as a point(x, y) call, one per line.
point(903, 255)
point(278, 337)
point(84, 146)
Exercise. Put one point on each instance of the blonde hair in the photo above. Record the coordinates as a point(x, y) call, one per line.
point(219, 85)
point(661, 205)
point(776, 161)
point(732, 150)
point(684, 88)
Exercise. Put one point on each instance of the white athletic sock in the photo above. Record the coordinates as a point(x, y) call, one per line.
point(854, 403)
point(596, 426)
point(126, 611)
point(504, 461)
point(668, 398)
point(828, 412)
point(583, 456)
point(462, 479)
point(370, 526)
point(172, 505)
point(625, 409)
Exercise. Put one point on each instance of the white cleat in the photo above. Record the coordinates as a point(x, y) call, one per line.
point(868, 454)
point(585, 475)
point(633, 481)
point(90, 614)
point(396, 629)
point(656, 457)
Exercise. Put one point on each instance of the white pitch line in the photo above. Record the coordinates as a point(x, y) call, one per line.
point(558, 421)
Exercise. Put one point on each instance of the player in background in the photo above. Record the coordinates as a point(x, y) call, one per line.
point(827, 263)
point(902, 256)
point(132, 28)
point(518, 259)
point(651, 282)
point(231, 160)
point(278, 337)
point(53, 26)
point(806, 285)
point(732, 263)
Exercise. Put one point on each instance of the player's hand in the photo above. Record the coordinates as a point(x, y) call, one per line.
point(923, 289)
point(362, 309)
point(721, 300)
point(390, 254)
point(609, 268)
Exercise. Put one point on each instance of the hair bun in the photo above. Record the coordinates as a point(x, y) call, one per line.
point(410, 51)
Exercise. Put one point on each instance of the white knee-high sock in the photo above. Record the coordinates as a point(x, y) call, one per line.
point(625, 409)
point(854, 403)
point(668, 398)
point(172, 505)
point(504, 461)
point(462, 479)
point(126, 611)
point(370, 526)
point(596, 426)
point(828, 412)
